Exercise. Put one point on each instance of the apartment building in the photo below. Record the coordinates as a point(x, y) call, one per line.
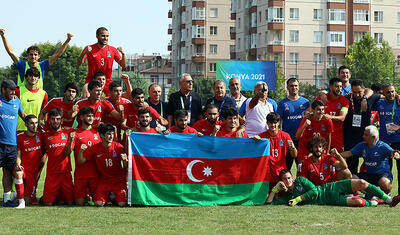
point(309, 36)
point(200, 31)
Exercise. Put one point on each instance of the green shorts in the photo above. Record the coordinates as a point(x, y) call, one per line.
point(335, 193)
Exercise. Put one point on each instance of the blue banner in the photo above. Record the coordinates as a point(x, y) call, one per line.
point(249, 73)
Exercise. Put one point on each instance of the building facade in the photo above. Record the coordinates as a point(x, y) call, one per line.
point(310, 36)
point(200, 32)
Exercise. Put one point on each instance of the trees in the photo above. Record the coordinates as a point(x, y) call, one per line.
point(371, 62)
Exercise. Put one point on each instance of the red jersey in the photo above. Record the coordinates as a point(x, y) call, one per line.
point(151, 130)
point(59, 103)
point(320, 172)
point(187, 130)
point(31, 151)
point(101, 108)
point(279, 145)
point(101, 60)
point(224, 133)
point(109, 119)
point(317, 128)
point(204, 126)
point(132, 118)
point(54, 143)
point(108, 162)
point(89, 138)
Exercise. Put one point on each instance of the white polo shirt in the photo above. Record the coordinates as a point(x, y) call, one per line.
point(256, 118)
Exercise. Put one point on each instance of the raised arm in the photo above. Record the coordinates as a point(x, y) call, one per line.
point(340, 163)
point(60, 50)
point(122, 61)
point(346, 154)
point(8, 47)
point(81, 158)
point(82, 55)
point(300, 131)
point(128, 93)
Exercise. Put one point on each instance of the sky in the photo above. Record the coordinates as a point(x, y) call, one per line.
point(139, 26)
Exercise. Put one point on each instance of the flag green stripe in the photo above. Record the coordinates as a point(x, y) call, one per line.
point(167, 194)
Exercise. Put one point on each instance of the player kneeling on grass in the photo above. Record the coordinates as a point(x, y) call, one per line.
point(107, 155)
point(321, 168)
point(302, 191)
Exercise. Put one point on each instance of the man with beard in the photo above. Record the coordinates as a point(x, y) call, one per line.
point(131, 111)
point(156, 103)
point(64, 103)
point(230, 129)
point(336, 108)
point(234, 87)
point(85, 178)
point(281, 146)
point(33, 98)
point(10, 108)
point(220, 99)
point(144, 122)
point(58, 181)
point(100, 57)
point(100, 106)
point(321, 168)
point(28, 165)
point(181, 119)
point(207, 126)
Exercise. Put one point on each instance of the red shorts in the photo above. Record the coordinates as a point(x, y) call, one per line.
point(104, 189)
point(30, 183)
point(84, 187)
point(58, 185)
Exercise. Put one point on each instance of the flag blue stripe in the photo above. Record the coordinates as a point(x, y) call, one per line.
point(207, 147)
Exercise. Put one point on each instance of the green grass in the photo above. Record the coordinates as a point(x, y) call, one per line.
point(204, 220)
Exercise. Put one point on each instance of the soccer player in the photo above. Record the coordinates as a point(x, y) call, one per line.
point(144, 122)
point(207, 126)
point(117, 101)
point(156, 103)
point(376, 154)
point(302, 191)
point(64, 103)
point(10, 108)
point(321, 168)
point(85, 178)
point(336, 108)
point(100, 57)
point(220, 99)
point(131, 111)
point(55, 144)
point(292, 110)
point(101, 107)
point(230, 129)
point(28, 165)
point(280, 143)
point(107, 156)
point(33, 59)
point(181, 119)
point(315, 126)
point(33, 98)
point(234, 87)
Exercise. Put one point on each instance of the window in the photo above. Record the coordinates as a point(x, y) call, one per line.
point(153, 78)
point(213, 12)
point(231, 48)
point(183, 34)
point(266, 14)
point(398, 39)
point(259, 16)
point(254, 19)
point(266, 37)
point(378, 16)
point(317, 36)
point(259, 38)
point(318, 80)
point(332, 60)
point(317, 58)
point(398, 60)
point(293, 58)
point(294, 36)
point(336, 38)
point(294, 13)
point(213, 49)
point(317, 14)
point(337, 16)
point(199, 49)
point(197, 31)
point(183, 52)
point(213, 30)
point(358, 36)
point(238, 43)
point(213, 67)
point(198, 13)
point(361, 17)
point(378, 37)
point(275, 14)
point(238, 23)
point(169, 81)
point(398, 17)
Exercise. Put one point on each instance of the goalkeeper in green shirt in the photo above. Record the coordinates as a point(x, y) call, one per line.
point(302, 191)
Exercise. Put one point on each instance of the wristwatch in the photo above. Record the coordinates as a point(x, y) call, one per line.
point(364, 97)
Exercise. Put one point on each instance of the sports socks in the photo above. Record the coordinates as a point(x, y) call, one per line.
point(6, 196)
point(375, 191)
point(19, 187)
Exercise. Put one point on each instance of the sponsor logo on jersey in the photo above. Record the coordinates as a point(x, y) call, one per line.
point(108, 54)
point(301, 106)
point(323, 128)
point(32, 148)
point(56, 145)
point(15, 106)
point(26, 142)
point(299, 188)
point(364, 153)
point(376, 154)
point(114, 154)
point(28, 100)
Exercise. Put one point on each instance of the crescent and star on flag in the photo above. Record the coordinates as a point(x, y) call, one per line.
point(206, 170)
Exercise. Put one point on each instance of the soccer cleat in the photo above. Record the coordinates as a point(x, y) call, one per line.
point(9, 204)
point(21, 205)
point(395, 201)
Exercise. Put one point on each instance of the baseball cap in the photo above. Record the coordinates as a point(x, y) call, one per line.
point(8, 84)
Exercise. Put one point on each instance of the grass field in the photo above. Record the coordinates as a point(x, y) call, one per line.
point(200, 220)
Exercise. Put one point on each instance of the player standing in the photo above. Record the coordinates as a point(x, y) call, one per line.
point(230, 127)
point(206, 126)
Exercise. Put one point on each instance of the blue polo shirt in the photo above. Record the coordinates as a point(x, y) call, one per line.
point(292, 112)
point(385, 110)
point(9, 111)
point(375, 158)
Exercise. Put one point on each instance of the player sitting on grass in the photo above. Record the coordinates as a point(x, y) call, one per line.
point(302, 191)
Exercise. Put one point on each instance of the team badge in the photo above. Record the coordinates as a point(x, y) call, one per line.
point(108, 54)
point(339, 106)
point(324, 166)
point(95, 137)
point(37, 139)
point(299, 188)
point(281, 143)
point(364, 153)
point(114, 154)
point(15, 106)
point(301, 106)
point(286, 107)
point(323, 128)
point(99, 109)
point(63, 136)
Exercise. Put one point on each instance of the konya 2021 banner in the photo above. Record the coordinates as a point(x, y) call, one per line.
point(249, 73)
point(188, 170)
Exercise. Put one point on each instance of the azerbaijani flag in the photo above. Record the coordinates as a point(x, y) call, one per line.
point(187, 170)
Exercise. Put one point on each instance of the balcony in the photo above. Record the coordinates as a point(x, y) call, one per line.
point(233, 35)
point(336, 4)
point(170, 45)
point(275, 42)
point(199, 22)
point(336, 50)
point(183, 26)
point(170, 29)
point(276, 25)
point(199, 41)
point(170, 14)
point(233, 16)
point(198, 3)
point(233, 55)
point(182, 43)
point(199, 58)
point(275, 48)
point(276, 3)
point(183, 8)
